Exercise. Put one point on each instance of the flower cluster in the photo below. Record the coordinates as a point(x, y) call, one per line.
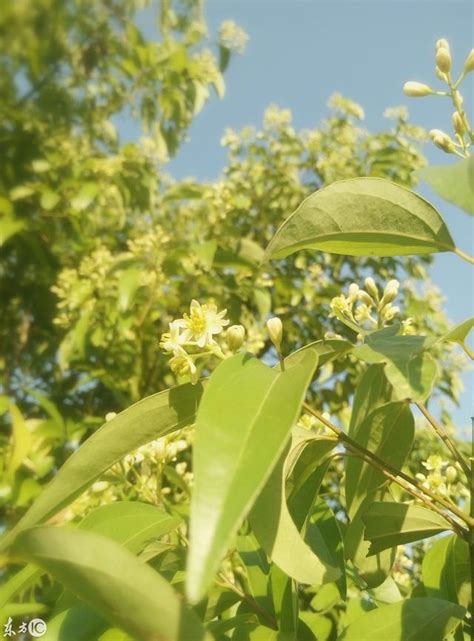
point(441, 477)
point(232, 37)
point(193, 338)
point(368, 309)
point(463, 132)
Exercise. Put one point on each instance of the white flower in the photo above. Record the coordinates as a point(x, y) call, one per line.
point(202, 323)
point(172, 341)
point(434, 463)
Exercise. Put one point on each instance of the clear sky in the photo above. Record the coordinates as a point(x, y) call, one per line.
point(300, 52)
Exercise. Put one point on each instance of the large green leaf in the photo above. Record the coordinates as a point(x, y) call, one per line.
point(363, 217)
point(326, 349)
point(372, 391)
point(455, 183)
point(130, 523)
point(411, 620)
point(243, 424)
point(411, 371)
point(280, 538)
point(388, 431)
point(148, 419)
point(388, 524)
point(446, 570)
point(102, 573)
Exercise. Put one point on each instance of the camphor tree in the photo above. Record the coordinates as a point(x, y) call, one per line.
point(252, 524)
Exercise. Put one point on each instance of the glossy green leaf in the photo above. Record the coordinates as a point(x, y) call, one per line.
point(323, 535)
point(306, 476)
point(388, 432)
point(388, 524)
point(148, 419)
point(132, 524)
point(446, 570)
point(102, 573)
point(243, 424)
point(455, 183)
point(280, 538)
point(411, 620)
point(326, 349)
point(372, 391)
point(363, 217)
point(411, 371)
point(375, 569)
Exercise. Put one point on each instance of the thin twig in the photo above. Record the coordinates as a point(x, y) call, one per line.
point(438, 428)
point(374, 459)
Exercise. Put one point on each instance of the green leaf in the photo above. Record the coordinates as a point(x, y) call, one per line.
point(78, 623)
point(18, 583)
point(243, 424)
point(388, 432)
point(446, 570)
point(372, 391)
point(49, 199)
point(85, 196)
point(117, 584)
point(280, 538)
point(22, 442)
point(363, 217)
point(148, 419)
point(375, 569)
point(459, 335)
point(411, 371)
point(455, 183)
point(326, 349)
point(420, 619)
point(132, 524)
point(128, 284)
point(324, 538)
point(306, 475)
point(388, 524)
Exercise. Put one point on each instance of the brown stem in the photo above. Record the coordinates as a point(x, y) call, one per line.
point(438, 428)
point(374, 459)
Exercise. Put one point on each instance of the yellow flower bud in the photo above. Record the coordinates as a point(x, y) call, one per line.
point(275, 331)
point(416, 89)
point(442, 140)
point(451, 474)
point(235, 337)
point(365, 298)
point(443, 60)
point(458, 124)
point(390, 292)
point(371, 287)
point(442, 43)
point(469, 63)
point(353, 291)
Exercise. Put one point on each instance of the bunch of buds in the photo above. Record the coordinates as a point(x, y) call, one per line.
point(463, 136)
point(441, 477)
point(197, 337)
point(367, 309)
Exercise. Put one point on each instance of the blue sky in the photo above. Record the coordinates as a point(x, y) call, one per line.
point(300, 52)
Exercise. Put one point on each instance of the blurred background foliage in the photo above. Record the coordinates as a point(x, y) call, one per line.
point(101, 247)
